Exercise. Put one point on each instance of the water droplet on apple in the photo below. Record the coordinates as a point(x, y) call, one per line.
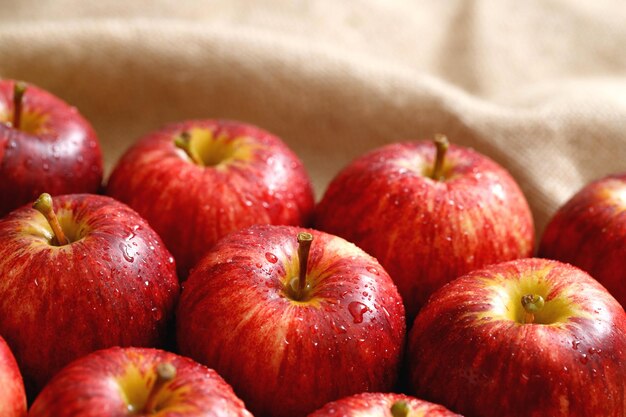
point(126, 253)
point(584, 359)
point(575, 344)
point(357, 310)
point(156, 314)
point(12, 144)
point(593, 351)
point(271, 257)
point(339, 329)
point(372, 270)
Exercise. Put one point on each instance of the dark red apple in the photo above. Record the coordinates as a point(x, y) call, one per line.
point(86, 275)
point(210, 178)
point(530, 337)
point(428, 225)
point(12, 395)
point(382, 405)
point(292, 330)
point(589, 231)
point(45, 145)
point(118, 382)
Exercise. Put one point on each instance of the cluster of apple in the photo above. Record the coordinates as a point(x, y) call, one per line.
point(201, 247)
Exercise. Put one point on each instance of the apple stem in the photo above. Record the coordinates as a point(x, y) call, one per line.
point(400, 408)
point(442, 144)
point(532, 304)
point(19, 88)
point(44, 205)
point(304, 247)
point(183, 141)
point(165, 372)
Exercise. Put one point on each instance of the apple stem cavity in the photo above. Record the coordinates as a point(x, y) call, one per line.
point(44, 205)
point(19, 88)
point(441, 143)
point(400, 409)
point(183, 141)
point(532, 304)
point(165, 372)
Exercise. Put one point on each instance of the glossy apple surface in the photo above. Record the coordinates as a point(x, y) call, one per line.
point(287, 355)
point(12, 395)
point(234, 175)
point(473, 349)
point(382, 405)
point(589, 231)
point(119, 382)
point(113, 284)
point(426, 232)
point(54, 149)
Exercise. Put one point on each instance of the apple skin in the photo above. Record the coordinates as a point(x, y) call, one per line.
point(12, 394)
point(285, 357)
point(262, 182)
point(103, 384)
point(376, 404)
point(55, 151)
point(589, 231)
point(115, 284)
point(469, 351)
point(425, 232)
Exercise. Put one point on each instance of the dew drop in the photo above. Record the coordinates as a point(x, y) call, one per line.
point(126, 253)
point(156, 314)
point(372, 270)
point(339, 329)
point(584, 359)
point(271, 257)
point(357, 310)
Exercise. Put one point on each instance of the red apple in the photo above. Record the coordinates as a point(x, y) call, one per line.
point(210, 178)
point(290, 330)
point(530, 337)
point(12, 395)
point(88, 274)
point(589, 231)
point(45, 145)
point(428, 225)
point(382, 405)
point(118, 382)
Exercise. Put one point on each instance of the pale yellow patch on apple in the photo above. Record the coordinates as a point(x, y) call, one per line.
point(4, 113)
point(220, 151)
point(135, 385)
point(38, 227)
point(418, 165)
point(377, 413)
point(564, 405)
point(505, 298)
point(340, 248)
point(334, 248)
point(615, 192)
point(30, 122)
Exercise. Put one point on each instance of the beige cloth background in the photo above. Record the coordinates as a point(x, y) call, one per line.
point(538, 85)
